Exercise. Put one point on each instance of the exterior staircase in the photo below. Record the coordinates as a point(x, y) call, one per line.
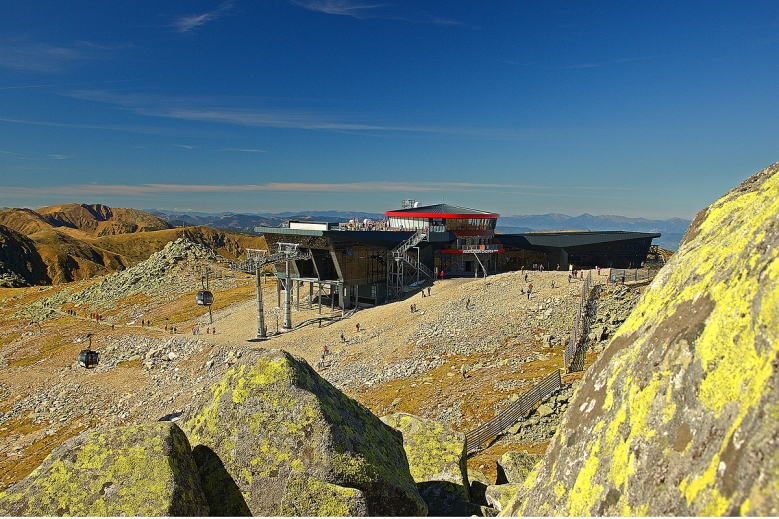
point(398, 258)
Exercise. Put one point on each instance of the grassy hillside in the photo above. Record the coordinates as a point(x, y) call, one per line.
point(101, 220)
point(137, 247)
point(71, 242)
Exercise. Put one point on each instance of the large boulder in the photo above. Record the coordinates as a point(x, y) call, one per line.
point(678, 414)
point(141, 470)
point(514, 467)
point(437, 459)
point(286, 442)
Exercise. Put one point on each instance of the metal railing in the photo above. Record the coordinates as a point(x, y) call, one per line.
point(626, 275)
point(480, 436)
point(574, 352)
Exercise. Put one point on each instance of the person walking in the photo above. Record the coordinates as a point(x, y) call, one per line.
point(358, 327)
point(325, 351)
point(343, 339)
point(529, 290)
point(428, 291)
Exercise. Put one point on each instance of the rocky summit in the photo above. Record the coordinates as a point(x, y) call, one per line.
point(292, 444)
point(678, 415)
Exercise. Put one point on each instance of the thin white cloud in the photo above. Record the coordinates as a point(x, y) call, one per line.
point(363, 11)
point(188, 23)
point(302, 187)
point(59, 157)
point(243, 150)
point(243, 111)
point(339, 7)
point(49, 59)
point(184, 146)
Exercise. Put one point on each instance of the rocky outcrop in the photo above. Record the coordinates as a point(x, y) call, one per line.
point(514, 467)
point(678, 414)
point(145, 470)
point(289, 443)
point(436, 457)
point(20, 263)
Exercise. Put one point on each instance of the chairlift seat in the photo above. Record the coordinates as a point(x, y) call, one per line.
point(88, 358)
point(205, 298)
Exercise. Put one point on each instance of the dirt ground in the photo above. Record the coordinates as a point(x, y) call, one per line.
point(46, 398)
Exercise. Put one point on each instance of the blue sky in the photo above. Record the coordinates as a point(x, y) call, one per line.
point(650, 109)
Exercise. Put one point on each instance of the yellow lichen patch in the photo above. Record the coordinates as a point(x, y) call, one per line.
point(585, 491)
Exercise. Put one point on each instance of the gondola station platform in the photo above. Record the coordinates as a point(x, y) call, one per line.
point(369, 263)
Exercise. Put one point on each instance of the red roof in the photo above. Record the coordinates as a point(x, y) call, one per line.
point(441, 211)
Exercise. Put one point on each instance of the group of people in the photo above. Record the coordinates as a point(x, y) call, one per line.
point(209, 331)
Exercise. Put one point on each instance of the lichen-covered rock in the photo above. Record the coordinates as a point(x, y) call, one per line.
point(437, 459)
point(288, 443)
point(514, 467)
point(678, 415)
point(478, 483)
point(498, 496)
point(141, 470)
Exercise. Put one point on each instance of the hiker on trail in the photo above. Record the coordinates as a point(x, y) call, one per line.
point(358, 327)
point(411, 307)
point(343, 339)
point(525, 277)
point(166, 327)
point(598, 269)
point(208, 331)
point(553, 283)
point(463, 370)
point(569, 277)
point(558, 266)
point(467, 303)
point(325, 351)
point(581, 275)
point(423, 292)
point(428, 291)
point(213, 331)
point(529, 290)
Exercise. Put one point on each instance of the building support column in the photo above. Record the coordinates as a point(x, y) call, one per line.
point(260, 317)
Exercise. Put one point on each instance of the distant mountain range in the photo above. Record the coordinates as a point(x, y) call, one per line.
point(672, 230)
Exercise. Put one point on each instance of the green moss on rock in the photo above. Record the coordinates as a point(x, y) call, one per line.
point(678, 414)
point(142, 470)
point(279, 430)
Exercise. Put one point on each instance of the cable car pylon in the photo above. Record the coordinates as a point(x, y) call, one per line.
point(258, 258)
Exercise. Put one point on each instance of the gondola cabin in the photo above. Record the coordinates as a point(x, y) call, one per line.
point(88, 358)
point(205, 298)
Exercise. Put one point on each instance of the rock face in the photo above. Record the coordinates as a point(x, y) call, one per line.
point(138, 470)
point(437, 460)
point(514, 467)
point(20, 263)
point(286, 442)
point(678, 415)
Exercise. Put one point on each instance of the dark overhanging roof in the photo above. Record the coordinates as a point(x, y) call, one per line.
point(572, 239)
point(442, 211)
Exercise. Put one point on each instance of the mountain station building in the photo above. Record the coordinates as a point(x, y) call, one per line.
point(370, 263)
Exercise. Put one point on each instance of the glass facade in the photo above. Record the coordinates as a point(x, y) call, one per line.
point(412, 224)
point(470, 224)
point(451, 224)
